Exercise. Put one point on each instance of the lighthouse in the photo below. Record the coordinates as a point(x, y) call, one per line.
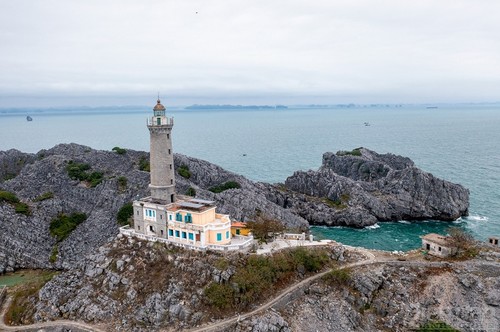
point(161, 157)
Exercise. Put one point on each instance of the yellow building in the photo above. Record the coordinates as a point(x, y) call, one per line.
point(239, 228)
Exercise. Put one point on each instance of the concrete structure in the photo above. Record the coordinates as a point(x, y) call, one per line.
point(438, 245)
point(161, 157)
point(185, 221)
point(493, 241)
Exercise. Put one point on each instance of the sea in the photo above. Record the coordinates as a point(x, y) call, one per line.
point(459, 143)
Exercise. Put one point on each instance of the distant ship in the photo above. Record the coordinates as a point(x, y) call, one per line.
point(367, 124)
point(431, 107)
point(29, 118)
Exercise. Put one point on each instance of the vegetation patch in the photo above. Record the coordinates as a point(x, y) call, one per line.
point(355, 152)
point(54, 254)
point(467, 247)
point(62, 226)
point(264, 228)
point(144, 164)
point(339, 204)
point(225, 186)
point(11, 198)
point(183, 171)
point(122, 183)
point(44, 196)
point(22, 306)
point(260, 275)
point(124, 214)
point(338, 277)
point(191, 191)
point(119, 150)
point(436, 326)
point(78, 171)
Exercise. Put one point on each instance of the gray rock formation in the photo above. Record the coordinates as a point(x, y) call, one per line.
point(361, 190)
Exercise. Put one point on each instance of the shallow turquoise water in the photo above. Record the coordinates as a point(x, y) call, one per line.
point(457, 143)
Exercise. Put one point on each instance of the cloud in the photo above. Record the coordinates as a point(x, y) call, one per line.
point(364, 50)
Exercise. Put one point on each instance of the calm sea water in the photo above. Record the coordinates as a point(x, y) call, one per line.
point(457, 143)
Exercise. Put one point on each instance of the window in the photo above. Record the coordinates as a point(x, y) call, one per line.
point(158, 121)
point(439, 248)
point(150, 214)
point(227, 234)
point(170, 166)
point(161, 216)
point(169, 152)
point(138, 228)
point(170, 232)
point(161, 232)
point(137, 212)
point(178, 217)
point(219, 236)
point(176, 233)
point(170, 217)
point(183, 235)
point(191, 236)
point(171, 181)
point(188, 218)
point(237, 231)
point(151, 229)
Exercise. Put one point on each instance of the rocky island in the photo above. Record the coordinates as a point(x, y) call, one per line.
point(130, 284)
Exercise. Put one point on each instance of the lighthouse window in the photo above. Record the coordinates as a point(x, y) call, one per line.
point(171, 181)
point(168, 136)
point(170, 166)
point(169, 152)
point(158, 121)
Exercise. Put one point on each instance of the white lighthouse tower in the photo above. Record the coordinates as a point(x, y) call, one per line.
point(161, 156)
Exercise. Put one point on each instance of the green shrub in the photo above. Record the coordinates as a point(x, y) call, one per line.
point(119, 150)
point(44, 196)
point(22, 208)
point(225, 186)
point(122, 182)
point(54, 253)
point(144, 164)
point(63, 225)
point(355, 152)
point(183, 171)
point(125, 212)
point(436, 326)
point(78, 171)
point(191, 192)
point(219, 295)
point(338, 277)
point(7, 196)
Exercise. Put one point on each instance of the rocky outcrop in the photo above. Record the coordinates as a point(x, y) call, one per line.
point(360, 190)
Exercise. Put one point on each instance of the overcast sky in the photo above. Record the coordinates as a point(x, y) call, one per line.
point(55, 52)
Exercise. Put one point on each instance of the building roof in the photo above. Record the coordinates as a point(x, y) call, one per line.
point(438, 239)
point(158, 106)
point(238, 224)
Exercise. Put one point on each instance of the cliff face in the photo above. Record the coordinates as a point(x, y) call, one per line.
point(372, 187)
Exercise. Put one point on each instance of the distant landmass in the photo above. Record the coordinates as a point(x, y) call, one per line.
point(234, 107)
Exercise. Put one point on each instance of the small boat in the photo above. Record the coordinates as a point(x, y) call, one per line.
point(29, 118)
point(431, 107)
point(244, 155)
point(367, 124)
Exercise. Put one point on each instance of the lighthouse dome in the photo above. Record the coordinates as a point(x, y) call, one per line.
point(158, 106)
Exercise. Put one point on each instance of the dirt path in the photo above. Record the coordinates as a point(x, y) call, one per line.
point(371, 259)
point(58, 323)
